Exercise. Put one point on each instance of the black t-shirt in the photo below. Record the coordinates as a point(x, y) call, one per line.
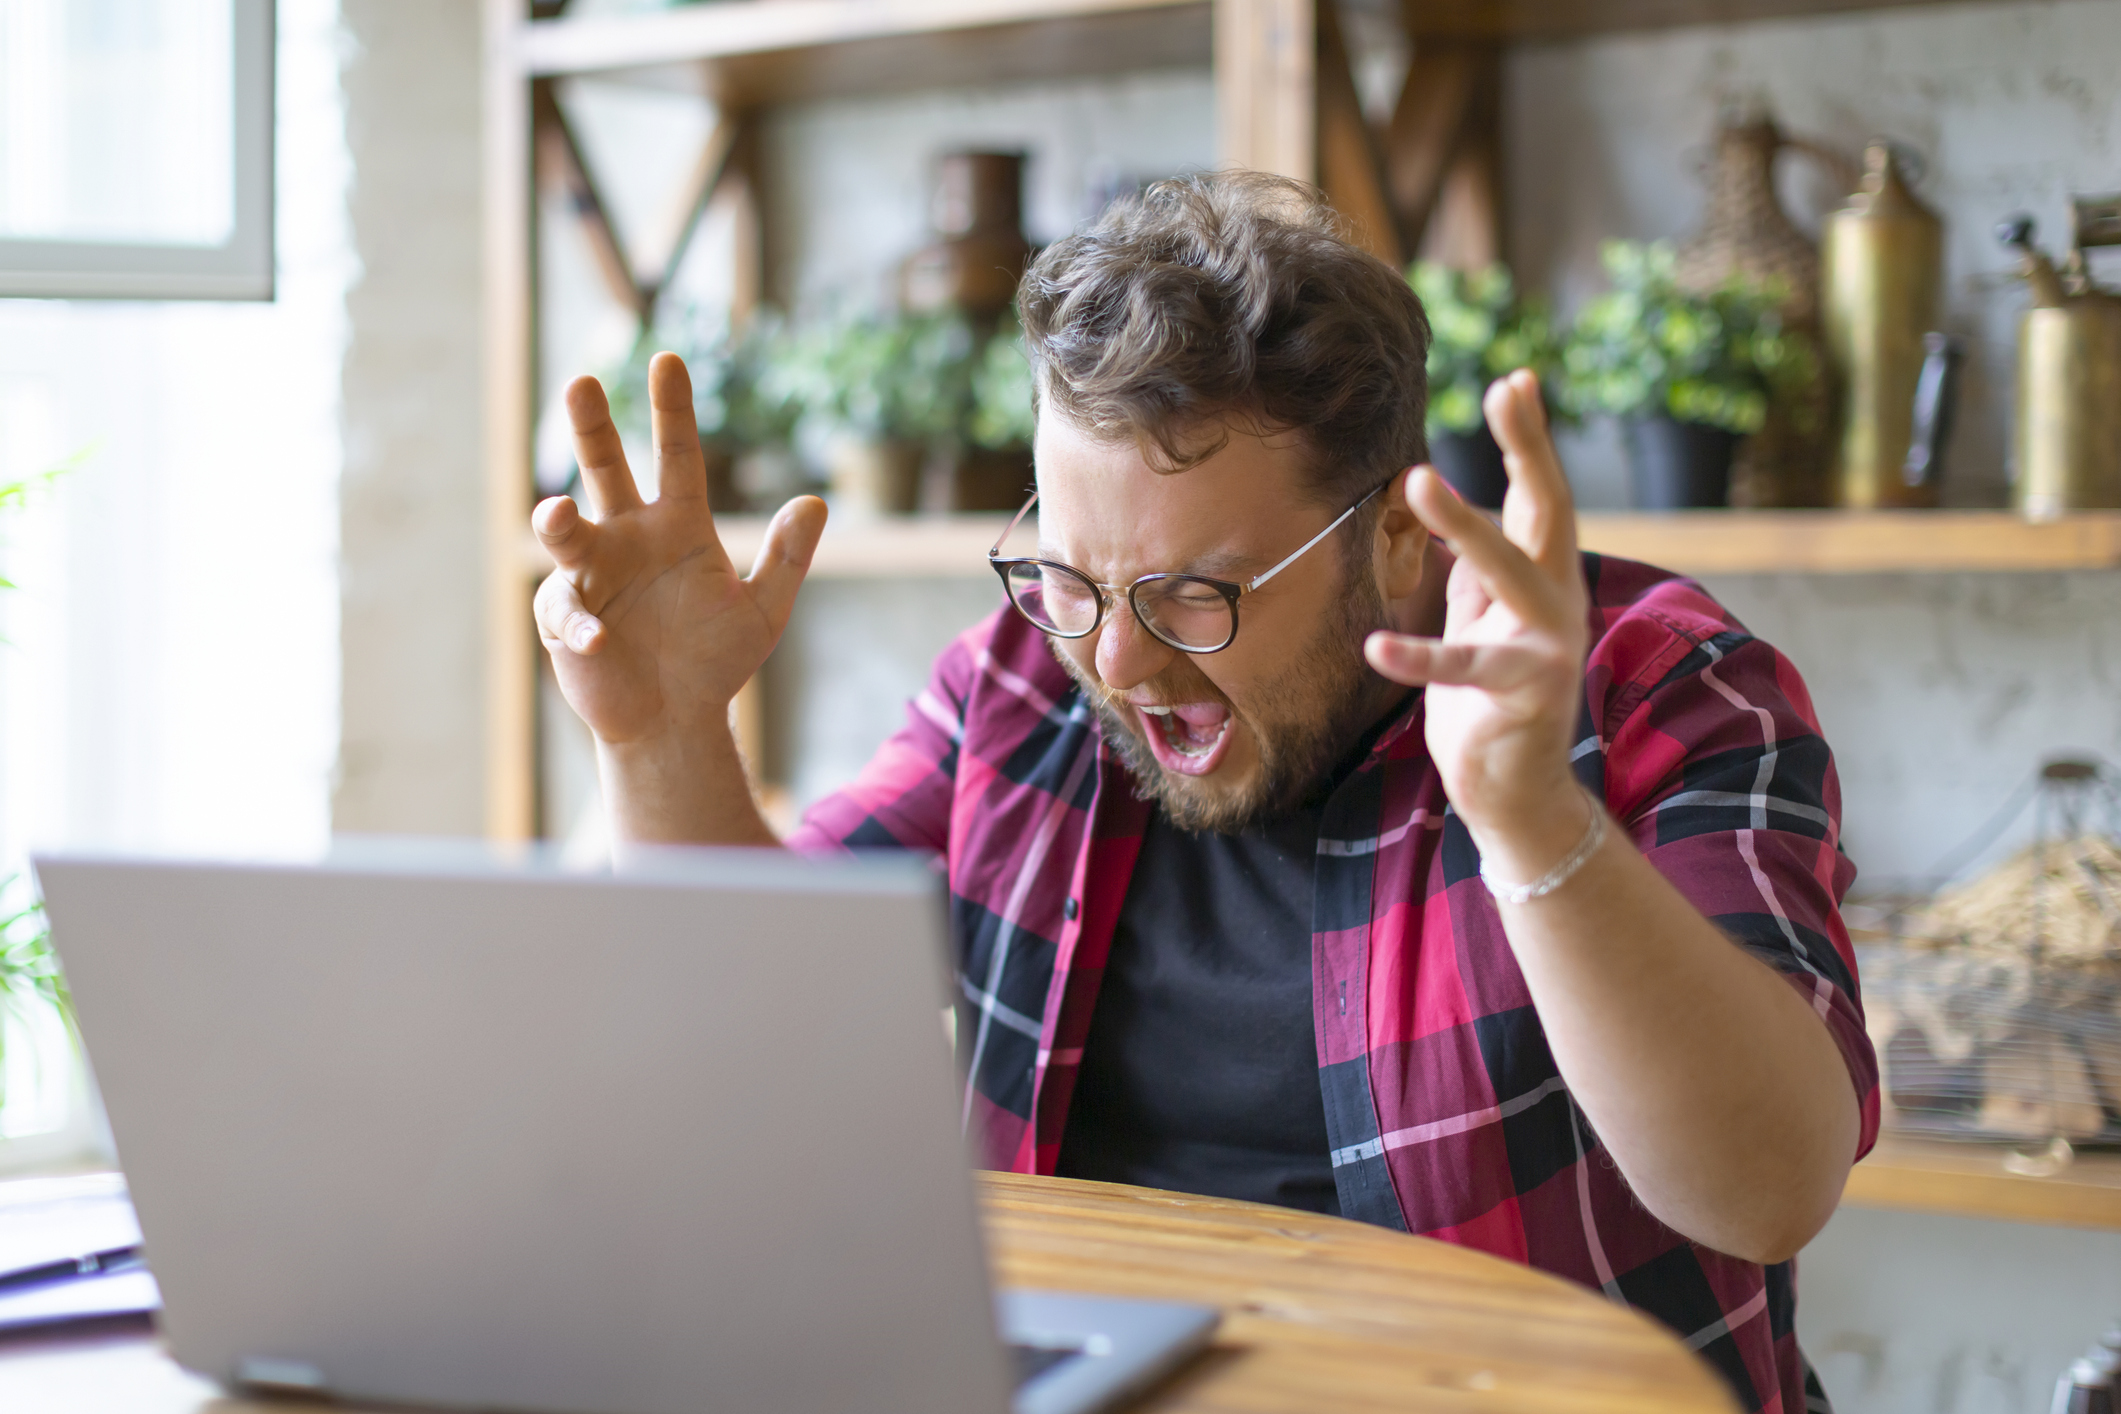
point(1201, 1071)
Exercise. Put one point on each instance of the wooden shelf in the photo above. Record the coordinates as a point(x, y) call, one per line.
point(1508, 20)
point(1691, 542)
point(911, 547)
point(749, 52)
point(1856, 542)
point(1969, 1180)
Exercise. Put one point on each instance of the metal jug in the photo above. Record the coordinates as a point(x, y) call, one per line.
point(1882, 268)
point(2067, 451)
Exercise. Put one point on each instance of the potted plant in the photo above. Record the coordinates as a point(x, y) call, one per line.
point(994, 468)
point(1688, 374)
point(876, 389)
point(1479, 330)
point(733, 416)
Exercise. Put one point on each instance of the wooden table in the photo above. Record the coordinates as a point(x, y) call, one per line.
point(1319, 1315)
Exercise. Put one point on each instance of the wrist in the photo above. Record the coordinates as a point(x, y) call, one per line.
point(1531, 841)
point(672, 786)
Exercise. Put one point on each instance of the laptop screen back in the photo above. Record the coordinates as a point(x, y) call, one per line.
point(498, 1136)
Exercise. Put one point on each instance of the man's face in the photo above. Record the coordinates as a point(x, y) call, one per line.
point(1221, 739)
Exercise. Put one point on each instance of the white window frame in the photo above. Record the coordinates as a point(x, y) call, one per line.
point(241, 268)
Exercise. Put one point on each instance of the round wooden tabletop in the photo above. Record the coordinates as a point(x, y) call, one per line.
point(1325, 1314)
point(1320, 1316)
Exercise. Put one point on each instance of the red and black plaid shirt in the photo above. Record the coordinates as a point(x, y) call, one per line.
point(1445, 1111)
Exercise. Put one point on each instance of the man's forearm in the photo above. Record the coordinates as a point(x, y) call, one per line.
point(1717, 1090)
point(680, 789)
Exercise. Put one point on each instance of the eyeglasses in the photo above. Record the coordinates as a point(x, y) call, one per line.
point(1189, 612)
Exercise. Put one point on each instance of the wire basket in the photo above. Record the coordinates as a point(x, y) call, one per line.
point(1995, 1006)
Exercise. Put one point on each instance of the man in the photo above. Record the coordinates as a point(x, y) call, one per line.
point(1310, 837)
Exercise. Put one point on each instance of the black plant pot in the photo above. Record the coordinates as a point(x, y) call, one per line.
point(1678, 465)
point(1472, 463)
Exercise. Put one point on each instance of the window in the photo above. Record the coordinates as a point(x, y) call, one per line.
point(136, 149)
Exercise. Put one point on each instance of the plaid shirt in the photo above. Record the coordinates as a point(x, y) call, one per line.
point(1443, 1105)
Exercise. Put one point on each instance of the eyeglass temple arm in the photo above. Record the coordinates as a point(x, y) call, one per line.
point(1019, 520)
point(1262, 579)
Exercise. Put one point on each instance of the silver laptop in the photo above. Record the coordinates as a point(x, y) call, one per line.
point(426, 1124)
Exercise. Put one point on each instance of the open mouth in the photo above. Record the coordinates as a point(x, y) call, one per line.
point(1187, 738)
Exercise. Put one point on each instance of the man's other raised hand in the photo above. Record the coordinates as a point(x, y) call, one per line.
point(651, 630)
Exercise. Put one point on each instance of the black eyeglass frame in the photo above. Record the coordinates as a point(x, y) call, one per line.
point(1230, 592)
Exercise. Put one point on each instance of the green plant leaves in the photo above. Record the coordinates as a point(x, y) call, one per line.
point(1648, 346)
point(1479, 330)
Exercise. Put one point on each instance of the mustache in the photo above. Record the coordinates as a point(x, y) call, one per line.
point(1113, 705)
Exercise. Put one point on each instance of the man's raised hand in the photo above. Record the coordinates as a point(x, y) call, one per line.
point(651, 630)
point(1505, 681)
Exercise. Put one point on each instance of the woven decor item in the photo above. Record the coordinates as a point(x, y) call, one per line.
point(1745, 233)
point(1995, 1006)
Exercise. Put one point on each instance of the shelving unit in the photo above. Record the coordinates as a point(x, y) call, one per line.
point(1285, 103)
point(1691, 542)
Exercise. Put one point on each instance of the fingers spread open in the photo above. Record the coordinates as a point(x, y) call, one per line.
point(1506, 572)
point(567, 535)
point(784, 558)
point(598, 449)
point(680, 471)
point(564, 626)
point(1417, 662)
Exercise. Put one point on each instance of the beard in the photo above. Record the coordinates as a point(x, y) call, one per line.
point(1302, 720)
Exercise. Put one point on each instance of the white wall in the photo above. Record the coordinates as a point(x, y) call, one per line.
point(1912, 1313)
point(410, 500)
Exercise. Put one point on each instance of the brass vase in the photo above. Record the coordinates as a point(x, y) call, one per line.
point(1883, 259)
point(2066, 451)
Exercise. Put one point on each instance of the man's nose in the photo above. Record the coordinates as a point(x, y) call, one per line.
point(1128, 654)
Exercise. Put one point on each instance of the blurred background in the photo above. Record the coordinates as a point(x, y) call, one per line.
point(270, 567)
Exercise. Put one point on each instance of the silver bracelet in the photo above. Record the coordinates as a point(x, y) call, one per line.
point(1561, 873)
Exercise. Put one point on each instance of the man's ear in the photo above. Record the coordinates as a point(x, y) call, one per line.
point(1402, 542)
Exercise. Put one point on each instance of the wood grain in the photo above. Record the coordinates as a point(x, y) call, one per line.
point(1266, 86)
point(1319, 1314)
point(510, 641)
point(1323, 1314)
point(1350, 164)
point(1433, 111)
point(1856, 542)
point(1969, 1180)
point(1572, 19)
point(745, 53)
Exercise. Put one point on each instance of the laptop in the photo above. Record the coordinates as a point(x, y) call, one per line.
point(439, 1125)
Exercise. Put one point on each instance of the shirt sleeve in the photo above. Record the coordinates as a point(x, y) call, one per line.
point(902, 798)
point(1716, 767)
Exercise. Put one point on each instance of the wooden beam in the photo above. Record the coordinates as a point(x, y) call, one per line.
point(1350, 166)
point(510, 679)
point(1266, 89)
point(750, 284)
point(561, 164)
point(667, 251)
point(1423, 136)
point(1465, 229)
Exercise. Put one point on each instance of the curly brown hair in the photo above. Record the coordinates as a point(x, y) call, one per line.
point(1231, 299)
